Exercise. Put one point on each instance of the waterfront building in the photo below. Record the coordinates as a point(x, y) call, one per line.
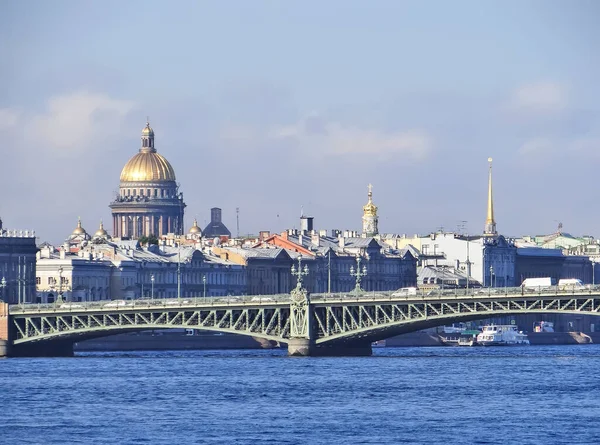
point(149, 201)
point(215, 227)
point(17, 265)
point(126, 269)
point(74, 276)
point(267, 270)
point(331, 258)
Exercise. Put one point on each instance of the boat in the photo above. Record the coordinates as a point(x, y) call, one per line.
point(378, 344)
point(501, 335)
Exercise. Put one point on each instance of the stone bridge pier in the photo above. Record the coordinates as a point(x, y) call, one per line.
point(54, 348)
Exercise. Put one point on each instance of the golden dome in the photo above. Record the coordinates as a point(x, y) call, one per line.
point(101, 232)
point(79, 230)
point(147, 166)
point(147, 131)
point(195, 228)
point(370, 209)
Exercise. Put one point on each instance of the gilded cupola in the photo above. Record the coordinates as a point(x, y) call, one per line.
point(195, 229)
point(370, 209)
point(147, 165)
point(78, 230)
point(101, 232)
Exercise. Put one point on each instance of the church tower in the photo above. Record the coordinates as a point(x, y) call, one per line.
point(490, 222)
point(370, 219)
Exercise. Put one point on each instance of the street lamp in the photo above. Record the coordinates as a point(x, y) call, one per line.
point(152, 284)
point(59, 299)
point(204, 285)
point(2, 285)
point(491, 276)
point(359, 275)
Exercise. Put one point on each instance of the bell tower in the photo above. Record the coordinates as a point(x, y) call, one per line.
point(370, 219)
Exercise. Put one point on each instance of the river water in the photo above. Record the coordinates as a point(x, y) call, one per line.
point(520, 395)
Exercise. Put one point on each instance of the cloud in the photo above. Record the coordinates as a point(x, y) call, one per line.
point(72, 122)
point(316, 135)
point(537, 147)
point(8, 118)
point(541, 97)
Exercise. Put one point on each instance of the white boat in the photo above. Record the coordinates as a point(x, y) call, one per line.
point(501, 335)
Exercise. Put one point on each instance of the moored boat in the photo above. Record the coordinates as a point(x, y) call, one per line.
point(501, 335)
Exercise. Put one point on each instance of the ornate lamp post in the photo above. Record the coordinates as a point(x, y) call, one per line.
point(300, 273)
point(358, 274)
point(152, 285)
point(204, 287)
point(491, 276)
point(2, 285)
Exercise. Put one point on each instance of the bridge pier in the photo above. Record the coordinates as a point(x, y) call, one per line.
point(302, 347)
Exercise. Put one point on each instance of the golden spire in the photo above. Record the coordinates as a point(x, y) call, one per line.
point(490, 223)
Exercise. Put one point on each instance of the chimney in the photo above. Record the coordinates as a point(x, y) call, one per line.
point(284, 235)
point(62, 254)
point(306, 224)
point(342, 242)
point(315, 239)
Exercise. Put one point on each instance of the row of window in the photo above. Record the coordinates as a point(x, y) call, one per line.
point(148, 192)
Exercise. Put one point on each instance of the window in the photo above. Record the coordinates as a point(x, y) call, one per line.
point(38, 280)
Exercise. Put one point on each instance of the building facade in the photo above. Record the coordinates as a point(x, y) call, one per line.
point(149, 201)
point(17, 265)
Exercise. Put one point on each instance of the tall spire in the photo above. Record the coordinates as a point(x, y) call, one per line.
point(490, 222)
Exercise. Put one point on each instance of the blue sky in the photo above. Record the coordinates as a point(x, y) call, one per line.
point(271, 106)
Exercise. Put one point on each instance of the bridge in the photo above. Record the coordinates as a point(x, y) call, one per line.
point(317, 324)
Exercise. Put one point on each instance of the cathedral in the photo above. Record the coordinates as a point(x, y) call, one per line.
point(149, 201)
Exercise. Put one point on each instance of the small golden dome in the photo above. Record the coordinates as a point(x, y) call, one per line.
point(79, 230)
point(370, 209)
point(195, 228)
point(147, 131)
point(147, 166)
point(101, 232)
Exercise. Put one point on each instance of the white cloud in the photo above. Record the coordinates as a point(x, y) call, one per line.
point(72, 122)
point(537, 147)
point(322, 137)
point(541, 97)
point(8, 118)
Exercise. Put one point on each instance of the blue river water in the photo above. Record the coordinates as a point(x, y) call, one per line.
point(520, 395)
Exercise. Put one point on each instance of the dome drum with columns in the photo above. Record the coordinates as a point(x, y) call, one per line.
point(149, 201)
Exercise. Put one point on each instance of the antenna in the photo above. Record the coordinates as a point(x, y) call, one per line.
point(237, 216)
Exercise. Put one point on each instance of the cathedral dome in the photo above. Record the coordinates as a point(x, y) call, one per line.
point(147, 165)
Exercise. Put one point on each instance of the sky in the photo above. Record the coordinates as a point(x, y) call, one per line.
point(278, 108)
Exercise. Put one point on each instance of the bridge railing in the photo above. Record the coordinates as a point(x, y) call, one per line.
point(144, 303)
point(279, 299)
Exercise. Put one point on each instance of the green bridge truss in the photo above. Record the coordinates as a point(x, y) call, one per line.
point(319, 322)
